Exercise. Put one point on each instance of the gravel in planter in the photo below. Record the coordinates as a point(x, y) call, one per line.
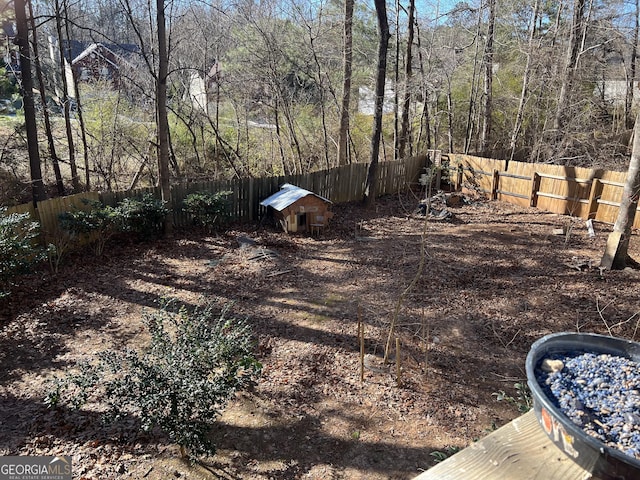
point(600, 393)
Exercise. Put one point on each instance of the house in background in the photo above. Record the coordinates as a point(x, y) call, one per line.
point(367, 100)
point(95, 61)
point(614, 92)
point(299, 210)
point(202, 89)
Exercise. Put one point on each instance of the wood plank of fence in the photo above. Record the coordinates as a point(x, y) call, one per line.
point(49, 210)
point(341, 184)
point(576, 191)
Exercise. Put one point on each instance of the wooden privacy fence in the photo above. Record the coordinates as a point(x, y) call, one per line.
point(340, 184)
point(581, 192)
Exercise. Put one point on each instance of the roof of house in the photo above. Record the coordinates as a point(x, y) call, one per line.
point(95, 48)
point(288, 195)
point(74, 48)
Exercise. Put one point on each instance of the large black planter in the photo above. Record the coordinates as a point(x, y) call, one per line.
point(601, 461)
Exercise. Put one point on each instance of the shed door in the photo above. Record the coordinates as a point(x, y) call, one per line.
point(302, 221)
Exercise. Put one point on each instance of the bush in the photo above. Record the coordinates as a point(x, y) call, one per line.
point(180, 383)
point(18, 248)
point(96, 225)
point(143, 216)
point(208, 209)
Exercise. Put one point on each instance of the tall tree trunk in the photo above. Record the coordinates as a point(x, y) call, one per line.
point(473, 94)
point(161, 112)
point(66, 101)
point(631, 76)
point(321, 83)
point(396, 83)
point(450, 115)
point(22, 40)
point(405, 132)
point(425, 123)
point(55, 161)
point(525, 82)
point(616, 254)
point(343, 136)
point(76, 95)
point(571, 61)
point(276, 118)
point(383, 45)
point(487, 96)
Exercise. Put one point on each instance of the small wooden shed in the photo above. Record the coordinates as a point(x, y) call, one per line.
point(299, 210)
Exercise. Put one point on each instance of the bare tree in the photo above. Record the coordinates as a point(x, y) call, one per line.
point(631, 76)
point(525, 81)
point(343, 136)
point(76, 96)
point(616, 254)
point(22, 40)
point(405, 132)
point(383, 45)
point(473, 94)
point(571, 60)
point(161, 110)
point(55, 161)
point(64, 52)
point(487, 95)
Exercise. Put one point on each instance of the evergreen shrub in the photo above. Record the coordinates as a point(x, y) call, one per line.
point(19, 250)
point(180, 383)
point(208, 209)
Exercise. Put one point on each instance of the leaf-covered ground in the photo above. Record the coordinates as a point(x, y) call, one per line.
point(495, 279)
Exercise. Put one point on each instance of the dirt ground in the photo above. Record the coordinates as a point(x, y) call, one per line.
point(495, 279)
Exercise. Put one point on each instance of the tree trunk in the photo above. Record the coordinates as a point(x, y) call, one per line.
point(425, 123)
point(569, 67)
point(343, 136)
point(449, 115)
point(616, 252)
point(283, 156)
point(473, 94)
point(383, 45)
point(321, 84)
point(66, 103)
point(525, 83)
point(405, 133)
point(631, 76)
point(76, 94)
point(161, 113)
point(396, 83)
point(55, 161)
point(487, 97)
point(22, 40)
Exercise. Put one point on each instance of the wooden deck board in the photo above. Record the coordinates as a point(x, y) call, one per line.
point(519, 450)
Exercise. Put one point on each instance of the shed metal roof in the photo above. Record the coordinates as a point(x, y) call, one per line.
point(288, 195)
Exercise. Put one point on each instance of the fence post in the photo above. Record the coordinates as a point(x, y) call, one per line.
point(495, 184)
point(437, 165)
point(594, 195)
point(535, 186)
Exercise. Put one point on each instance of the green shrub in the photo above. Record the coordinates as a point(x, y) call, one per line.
point(18, 248)
point(144, 216)
point(95, 225)
point(208, 209)
point(180, 383)
point(522, 401)
point(8, 84)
